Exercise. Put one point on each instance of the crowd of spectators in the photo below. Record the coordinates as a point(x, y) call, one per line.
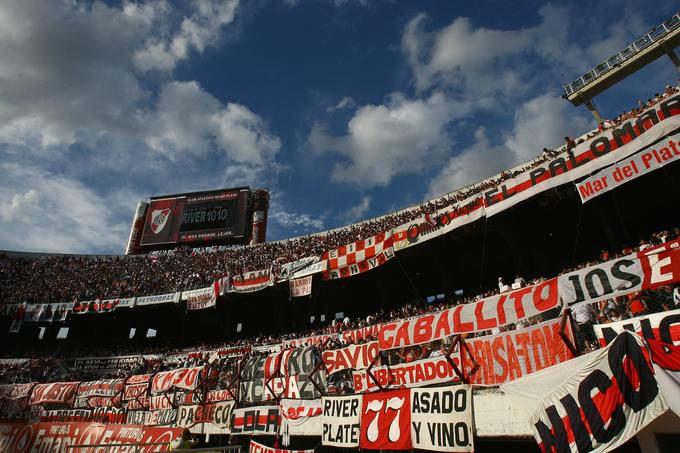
point(65, 278)
point(55, 365)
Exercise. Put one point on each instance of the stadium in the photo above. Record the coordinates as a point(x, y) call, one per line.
point(534, 310)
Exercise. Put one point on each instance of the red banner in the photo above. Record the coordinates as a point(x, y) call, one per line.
point(509, 356)
point(386, 421)
point(56, 437)
point(183, 378)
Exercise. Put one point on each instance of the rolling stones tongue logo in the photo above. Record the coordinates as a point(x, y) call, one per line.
point(158, 219)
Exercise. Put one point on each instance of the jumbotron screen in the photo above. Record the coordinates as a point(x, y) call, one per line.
point(195, 217)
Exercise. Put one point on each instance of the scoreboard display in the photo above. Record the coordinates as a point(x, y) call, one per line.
point(196, 217)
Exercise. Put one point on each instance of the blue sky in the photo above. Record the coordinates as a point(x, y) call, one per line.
point(343, 109)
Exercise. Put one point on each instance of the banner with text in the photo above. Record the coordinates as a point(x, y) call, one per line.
point(300, 286)
point(441, 419)
point(602, 405)
point(645, 161)
point(171, 298)
point(508, 356)
point(355, 357)
point(213, 418)
point(433, 370)
point(183, 378)
point(198, 299)
point(341, 420)
point(607, 148)
point(300, 417)
point(255, 420)
point(663, 326)
point(485, 314)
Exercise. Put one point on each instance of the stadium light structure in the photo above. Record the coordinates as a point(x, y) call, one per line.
point(659, 41)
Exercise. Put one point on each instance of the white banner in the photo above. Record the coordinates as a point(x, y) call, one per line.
point(632, 167)
point(494, 311)
point(255, 420)
point(213, 418)
point(300, 286)
point(300, 268)
point(601, 405)
point(356, 357)
point(308, 341)
point(441, 419)
point(162, 401)
point(162, 417)
point(300, 417)
point(171, 298)
point(341, 420)
point(434, 370)
point(99, 393)
point(54, 393)
point(198, 299)
point(663, 326)
point(611, 146)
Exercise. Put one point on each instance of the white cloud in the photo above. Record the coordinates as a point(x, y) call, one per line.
point(296, 221)
point(541, 122)
point(458, 51)
point(73, 81)
point(74, 77)
point(346, 102)
point(187, 120)
point(41, 211)
point(401, 136)
point(197, 31)
point(481, 62)
point(358, 211)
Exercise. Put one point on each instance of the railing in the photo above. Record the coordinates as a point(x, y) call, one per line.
point(629, 52)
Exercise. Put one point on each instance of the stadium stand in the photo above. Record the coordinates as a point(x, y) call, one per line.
point(581, 273)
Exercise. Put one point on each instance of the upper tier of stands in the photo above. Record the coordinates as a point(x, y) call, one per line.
point(64, 278)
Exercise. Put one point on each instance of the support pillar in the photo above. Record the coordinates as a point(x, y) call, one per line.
point(592, 109)
point(674, 58)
